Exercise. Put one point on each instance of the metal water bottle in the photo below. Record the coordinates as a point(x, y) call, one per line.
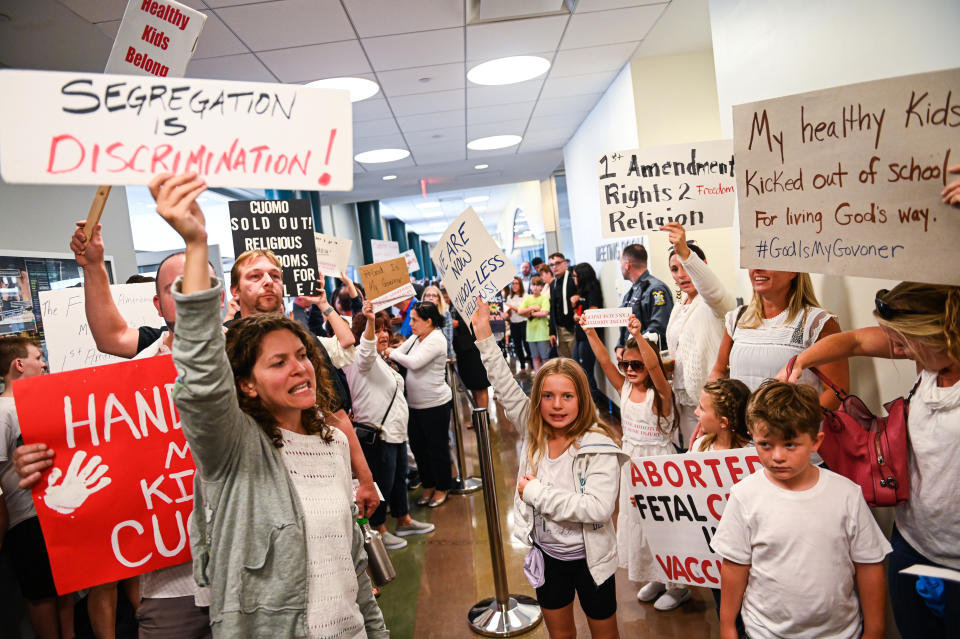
point(381, 568)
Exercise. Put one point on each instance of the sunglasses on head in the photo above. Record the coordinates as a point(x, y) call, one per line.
point(888, 312)
point(635, 364)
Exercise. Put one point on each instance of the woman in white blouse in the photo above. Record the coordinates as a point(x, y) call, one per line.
point(424, 355)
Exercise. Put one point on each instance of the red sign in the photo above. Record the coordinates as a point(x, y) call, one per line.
point(117, 501)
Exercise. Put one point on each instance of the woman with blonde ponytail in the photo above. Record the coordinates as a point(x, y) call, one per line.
point(919, 322)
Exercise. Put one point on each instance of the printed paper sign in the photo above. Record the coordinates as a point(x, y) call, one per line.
point(333, 253)
point(396, 296)
point(643, 189)
point(384, 250)
point(470, 263)
point(70, 343)
point(413, 265)
point(601, 317)
point(155, 38)
point(679, 499)
point(284, 227)
point(384, 277)
point(847, 181)
point(118, 499)
point(85, 128)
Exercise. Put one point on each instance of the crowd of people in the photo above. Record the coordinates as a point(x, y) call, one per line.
point(282, 414)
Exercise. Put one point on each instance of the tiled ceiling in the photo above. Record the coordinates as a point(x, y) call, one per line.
point(419, 51)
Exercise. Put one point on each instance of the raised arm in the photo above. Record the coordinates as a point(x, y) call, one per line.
point(367, 349)
point(721, 368)
point(613, 374)
point(514, 401)
point(651, 362)
point(708, 285)
point(860, 342)
point(837, 371)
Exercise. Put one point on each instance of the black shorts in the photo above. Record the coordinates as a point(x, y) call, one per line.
point(28, 554)
point(562, 578)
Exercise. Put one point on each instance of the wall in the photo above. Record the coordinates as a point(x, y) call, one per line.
point(341, 220)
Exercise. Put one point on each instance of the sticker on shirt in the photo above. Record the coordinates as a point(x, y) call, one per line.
point(658, 298)
point(641, 431)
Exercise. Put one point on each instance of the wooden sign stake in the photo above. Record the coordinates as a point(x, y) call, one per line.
point(96, 210)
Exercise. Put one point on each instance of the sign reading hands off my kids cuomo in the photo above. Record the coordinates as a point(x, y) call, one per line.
point(847, 181)
point(84, 128)
point(643, 189)
point(118, 500)
point(680, 499)
point(470, 263)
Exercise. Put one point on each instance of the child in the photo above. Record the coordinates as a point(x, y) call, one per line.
point(799, 544)
point(566, 488)
point(536, 308)
point(649, 419)
point(721, 416)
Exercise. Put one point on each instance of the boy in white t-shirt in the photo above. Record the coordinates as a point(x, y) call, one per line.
point(801, 552)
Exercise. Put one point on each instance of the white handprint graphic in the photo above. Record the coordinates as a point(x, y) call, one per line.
point(77, 485)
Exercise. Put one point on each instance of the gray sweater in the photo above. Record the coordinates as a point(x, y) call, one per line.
point(247, 530)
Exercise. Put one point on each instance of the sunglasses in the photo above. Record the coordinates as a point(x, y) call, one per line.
point(635, 364)
point(888, 312)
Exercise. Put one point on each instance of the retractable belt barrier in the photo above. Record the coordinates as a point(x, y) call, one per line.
point(462, 484)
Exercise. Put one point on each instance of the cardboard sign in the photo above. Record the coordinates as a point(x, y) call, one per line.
point(384, 250)
point(396, 296)
point(333, 253)
point(155, 38)
point(70, 343)
point(470, 263)
point(643, 189)
point(286, 228)
point(384, 277)
point(847, 181)
point(84, 128)
point(680, 500)
point(602, 317)
point(118, 500)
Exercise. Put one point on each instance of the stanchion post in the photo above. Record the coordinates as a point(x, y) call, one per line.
point(463, 484)
point(503, 615)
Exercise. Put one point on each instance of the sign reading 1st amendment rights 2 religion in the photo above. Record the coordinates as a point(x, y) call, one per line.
point(83, 128)
point(643, 189)
point(847, 180)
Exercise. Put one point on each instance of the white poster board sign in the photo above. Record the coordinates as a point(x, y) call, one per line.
point(84, 128)
point(413, 265)
point(680, 499)
point(603, 317)
point(69, 341)
point(155, 38)
point(384, 250)
point(333, 253)
point(847, 181)
point(470, 263)
point(395, 296)
point(643, 189)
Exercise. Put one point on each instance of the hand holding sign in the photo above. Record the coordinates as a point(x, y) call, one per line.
point(176, 203)
point(481, 320)
point(951, 194)
point(87, 248)
point(678, 237)
point(77, 485)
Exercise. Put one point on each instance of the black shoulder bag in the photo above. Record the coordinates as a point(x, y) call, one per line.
point(368, 434)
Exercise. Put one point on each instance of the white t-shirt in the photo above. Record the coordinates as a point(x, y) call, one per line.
point(801, 547)
point(930, 519)
point(559, 539)
point(19, 502)
point(640, 424)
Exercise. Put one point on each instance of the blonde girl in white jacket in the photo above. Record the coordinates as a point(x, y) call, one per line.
point(567, 488)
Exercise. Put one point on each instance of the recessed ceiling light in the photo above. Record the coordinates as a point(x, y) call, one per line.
point(359, 88)
point(381, 155)
point(509, 70)
point(389, 177)
point(428, 205)
point(433, 214)
point(480, 167)
point(480, 209)
point(494, 142)
point(476, 198)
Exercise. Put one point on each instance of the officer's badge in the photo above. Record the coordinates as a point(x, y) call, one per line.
point(658, 299)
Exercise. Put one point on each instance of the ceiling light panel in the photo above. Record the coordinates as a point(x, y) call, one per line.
point(510, 70)
point(377, 156)
point(476, 198)
point(359, 88)
point(494, 142)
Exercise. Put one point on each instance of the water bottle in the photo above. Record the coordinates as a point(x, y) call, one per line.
point(381, 568)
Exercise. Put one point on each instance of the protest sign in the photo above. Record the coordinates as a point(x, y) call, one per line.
point(333, 253)
point(847, 180)
point(384, 250)
point(679, 499)
point(470, 263)
point(155, 38)
point(602, 317)
point(284, 227)
point(643, 189)
point(85, 128)
point(413, 265)
point(395, 296)
point(70, 343)
point(117, 501)
point(384, 277)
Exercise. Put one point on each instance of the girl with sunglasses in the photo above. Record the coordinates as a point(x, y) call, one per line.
point(648, 416)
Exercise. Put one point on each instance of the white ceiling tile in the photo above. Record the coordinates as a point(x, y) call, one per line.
point(427, 102)
point(216, 39)
point(576, 103)
point(514, 37)
point(106, 10)
point(499, 112)
point(371, 109)
point(583, 6)
point(428, 121)
point(443, 77)
point(110, 28)
point(484, 155)
point(215, 4)
point(486, 129)
point(371, 128)
point(431, 153)
point(506, 94)
point(385, 17)
point(548, 140)
point(606, 27)
point(288, 23)
point(422, 49)
point(576, 85)
point(244, 67)
point(593, 59)
point(451, 135)
point(394, 141)
point(569, 120)
point(317, 61)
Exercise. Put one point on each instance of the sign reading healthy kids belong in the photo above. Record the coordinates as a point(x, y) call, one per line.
point(643, 189)
point(156, 37)
point(83, 128)
point(847, 181)
point(680, 499)
point(117, 501)
point(470, 263)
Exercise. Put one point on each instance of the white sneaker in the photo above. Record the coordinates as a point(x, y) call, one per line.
point(651, 591)
point(672, 598)
point(392, 542)
point(414, 528)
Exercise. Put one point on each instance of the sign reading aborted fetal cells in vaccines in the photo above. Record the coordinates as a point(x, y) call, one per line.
point(85, 128)
point(284, 227)
point(643, 189)
point(847, 181)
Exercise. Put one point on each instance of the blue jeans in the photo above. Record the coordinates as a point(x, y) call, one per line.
point(914, 619)
point(388, 465)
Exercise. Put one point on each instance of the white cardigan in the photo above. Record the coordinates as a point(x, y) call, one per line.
point(426, 364)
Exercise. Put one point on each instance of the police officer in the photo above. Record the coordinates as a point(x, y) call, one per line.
point(649, 298)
